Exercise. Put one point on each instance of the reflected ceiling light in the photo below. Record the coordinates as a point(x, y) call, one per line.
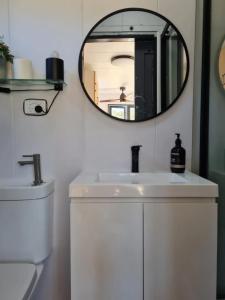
point(122, 60)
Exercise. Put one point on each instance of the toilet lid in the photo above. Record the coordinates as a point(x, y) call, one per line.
point(16, 280)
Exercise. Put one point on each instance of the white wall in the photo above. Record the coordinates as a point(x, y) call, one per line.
point(108, 141)
point(6, 104)
point(36, 29)
point(75, 133)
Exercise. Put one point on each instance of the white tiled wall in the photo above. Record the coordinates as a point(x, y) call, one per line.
point(179, 117)
point(75, 134)
point(5, 111)
point(36, 29)
point(107, 141)
point(94, 10)
point(4, 28)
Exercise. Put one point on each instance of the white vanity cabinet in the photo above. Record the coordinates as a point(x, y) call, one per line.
point(180, 251)
point(106, 251)
point(160, 245)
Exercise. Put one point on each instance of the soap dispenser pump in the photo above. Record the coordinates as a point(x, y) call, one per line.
point(178, 156)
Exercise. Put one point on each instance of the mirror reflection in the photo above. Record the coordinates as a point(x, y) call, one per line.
point(222, 64)
point(134, 65)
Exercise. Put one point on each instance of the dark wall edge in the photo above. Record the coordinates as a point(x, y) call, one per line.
point(205, 90)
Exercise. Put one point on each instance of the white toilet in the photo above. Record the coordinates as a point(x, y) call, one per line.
point(26, 217)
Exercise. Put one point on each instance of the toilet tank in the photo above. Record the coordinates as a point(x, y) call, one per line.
point(26, 220)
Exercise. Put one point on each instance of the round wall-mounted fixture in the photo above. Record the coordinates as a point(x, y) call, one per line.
point(122, 60)
point(136, 54)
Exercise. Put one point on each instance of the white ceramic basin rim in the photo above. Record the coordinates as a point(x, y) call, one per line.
point(22, 189)
point(135, 185)
point(141, 178)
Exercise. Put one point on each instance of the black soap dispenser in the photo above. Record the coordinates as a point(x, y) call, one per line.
point(178, 157)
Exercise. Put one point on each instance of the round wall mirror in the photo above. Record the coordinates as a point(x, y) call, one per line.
point(133, 65)
point(222, 64)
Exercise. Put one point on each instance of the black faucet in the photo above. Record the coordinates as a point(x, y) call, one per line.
point(36, 162)
point(135, 158)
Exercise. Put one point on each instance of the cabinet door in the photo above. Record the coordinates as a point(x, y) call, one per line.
point(106, 251)
point(180, 251)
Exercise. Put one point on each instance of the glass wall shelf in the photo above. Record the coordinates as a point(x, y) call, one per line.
point(17, 84)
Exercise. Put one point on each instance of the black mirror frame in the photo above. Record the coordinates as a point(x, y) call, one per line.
point(147, 11)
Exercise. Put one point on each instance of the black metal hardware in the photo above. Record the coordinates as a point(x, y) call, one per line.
point(135, 158)
point(36, 162)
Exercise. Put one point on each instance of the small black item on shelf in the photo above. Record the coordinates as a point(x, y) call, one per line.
point(5, 90)
point(54, 68)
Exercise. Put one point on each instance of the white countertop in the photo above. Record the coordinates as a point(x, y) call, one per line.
point(136, 185)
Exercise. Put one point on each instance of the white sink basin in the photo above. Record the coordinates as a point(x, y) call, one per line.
point(22, 189)
point(133, 185)
point(141, 178)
